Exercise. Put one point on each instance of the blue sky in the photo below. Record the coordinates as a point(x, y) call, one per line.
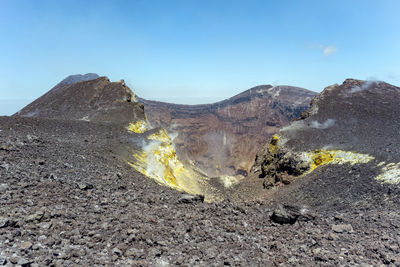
point(195, 51)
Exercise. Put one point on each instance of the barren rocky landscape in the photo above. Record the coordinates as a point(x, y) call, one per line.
point(69, 197)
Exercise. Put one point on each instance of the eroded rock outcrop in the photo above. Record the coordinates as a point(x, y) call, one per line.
point(340, 150)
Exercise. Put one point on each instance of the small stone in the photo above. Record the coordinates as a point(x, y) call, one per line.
point(14, 259)
point(25, 245)
point(288, 214)
point(187, 199)
point(3, 260)
point(32, 138)
point(36, 217)
point(117, 251)
point(49, 242)
point(4, 222)
point(45, 225)
point(162, 243)
point(52, 176)
point(24, 262)
point(340, 228)
point(97, 238)
point(333, 236)
point(320, 258)
point(85, 186)
point(40, 161)
point(132, 231)
point(281, 216)
point(23, 184)
point(4, 187)
point(316, 251)
point(5, 148)
point(179, 260)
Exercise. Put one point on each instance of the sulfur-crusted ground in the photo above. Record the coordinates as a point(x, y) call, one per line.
point(67, 199)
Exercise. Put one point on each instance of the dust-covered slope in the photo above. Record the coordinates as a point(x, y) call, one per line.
point(92, 100)
point(223, 137)
point(343, 153)
point(67, 199)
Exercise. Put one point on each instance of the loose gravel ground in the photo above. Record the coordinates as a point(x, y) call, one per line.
point(67, 199)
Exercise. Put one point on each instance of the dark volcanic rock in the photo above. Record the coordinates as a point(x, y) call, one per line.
point(127, 219)
point(97, 100)
point(191, 198)
point(356, 125)
point(223, 138)
point(289, 214)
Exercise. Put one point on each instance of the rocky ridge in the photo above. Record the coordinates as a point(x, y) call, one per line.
point(98, 100)
point(342, 153)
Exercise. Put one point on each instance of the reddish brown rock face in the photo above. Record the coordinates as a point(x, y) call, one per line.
point(97, 100)
point(224, 137)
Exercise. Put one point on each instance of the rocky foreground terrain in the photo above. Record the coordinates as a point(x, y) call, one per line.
point(69, 198)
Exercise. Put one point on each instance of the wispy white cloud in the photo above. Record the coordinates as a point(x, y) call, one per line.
point(326, 50)
point(329, 50)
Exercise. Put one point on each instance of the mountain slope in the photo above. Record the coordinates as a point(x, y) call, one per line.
point(71, 79)
point(343, 153)
point(91, 100)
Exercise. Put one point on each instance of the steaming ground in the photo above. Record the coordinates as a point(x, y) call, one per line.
point(158, 160)
point(68, 198)
point(72, 190)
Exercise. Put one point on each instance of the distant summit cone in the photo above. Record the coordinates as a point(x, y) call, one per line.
point(80, 97)
point(71, 79)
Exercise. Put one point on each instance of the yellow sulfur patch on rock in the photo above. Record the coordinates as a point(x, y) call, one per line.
point(159, 161)
point(322, 157)
point(228, 181)
point(139, 127)
point(273, 146)
point(390, 173)
point(162, 136)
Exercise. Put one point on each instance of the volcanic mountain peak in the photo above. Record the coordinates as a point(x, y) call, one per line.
point(341, 149)
point(97, 100)
point(71, 79)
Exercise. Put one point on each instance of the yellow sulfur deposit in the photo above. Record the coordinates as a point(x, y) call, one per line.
point(162, 136)
point(322, 157)
point(273, 146)
point(139, 127)
point(228, 181)
point(159, 161)
point(390, 173)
